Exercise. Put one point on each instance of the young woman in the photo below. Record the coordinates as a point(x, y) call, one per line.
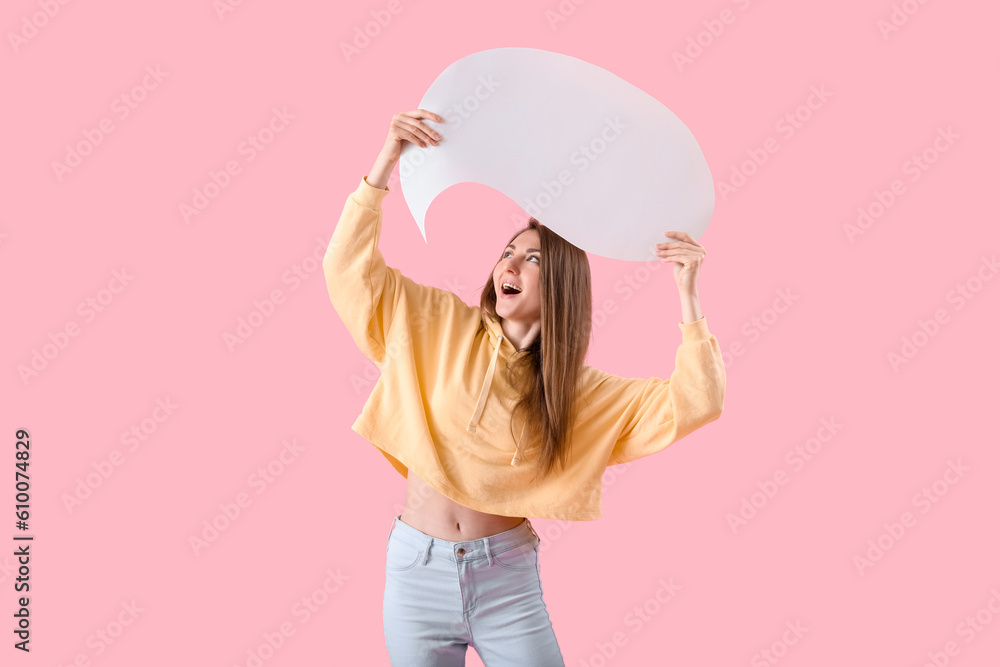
point(491, 416)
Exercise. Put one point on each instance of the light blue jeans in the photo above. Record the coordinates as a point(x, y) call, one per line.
point(442, 597)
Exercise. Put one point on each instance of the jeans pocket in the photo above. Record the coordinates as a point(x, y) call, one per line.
point(520, 558)
point(400, 556)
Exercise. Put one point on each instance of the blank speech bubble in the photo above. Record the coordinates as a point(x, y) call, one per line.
point(600, 162)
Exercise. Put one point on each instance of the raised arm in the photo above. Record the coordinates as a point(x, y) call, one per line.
point(655, 412)
point(405, 126)
point(364, 291)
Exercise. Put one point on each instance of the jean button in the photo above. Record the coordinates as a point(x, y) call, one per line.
point(461, 551)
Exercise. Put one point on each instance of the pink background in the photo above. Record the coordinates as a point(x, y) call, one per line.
point(162, 335)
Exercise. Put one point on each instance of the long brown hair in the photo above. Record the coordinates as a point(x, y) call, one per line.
point(549, 369)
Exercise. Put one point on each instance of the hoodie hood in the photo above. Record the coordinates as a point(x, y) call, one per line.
point(500, 344)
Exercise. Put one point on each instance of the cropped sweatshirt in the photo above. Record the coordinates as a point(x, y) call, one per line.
point(442, 404)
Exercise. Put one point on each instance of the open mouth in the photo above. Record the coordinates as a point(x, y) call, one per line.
point(509, 289)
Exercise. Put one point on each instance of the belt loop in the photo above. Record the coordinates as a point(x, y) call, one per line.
point(391, 527)
point(427, 551)
point(489, 556)
point(531, 528)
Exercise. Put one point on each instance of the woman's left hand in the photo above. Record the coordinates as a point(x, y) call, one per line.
point(687, 256)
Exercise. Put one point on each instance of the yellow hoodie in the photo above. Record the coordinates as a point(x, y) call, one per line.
point(442, 403)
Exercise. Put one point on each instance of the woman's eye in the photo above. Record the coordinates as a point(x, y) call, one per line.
point(530, 257)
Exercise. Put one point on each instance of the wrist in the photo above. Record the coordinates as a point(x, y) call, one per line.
point(690, 305)
point(689, 291)
point(391, 150)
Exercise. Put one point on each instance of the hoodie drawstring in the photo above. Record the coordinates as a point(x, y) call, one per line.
point(517, 450)
point(481, 403)
point(487, 381)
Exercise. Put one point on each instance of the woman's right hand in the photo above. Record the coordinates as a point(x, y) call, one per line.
point(407, 126)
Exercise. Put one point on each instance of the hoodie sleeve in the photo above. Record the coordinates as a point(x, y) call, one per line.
point(655, 413)
point(367, 294)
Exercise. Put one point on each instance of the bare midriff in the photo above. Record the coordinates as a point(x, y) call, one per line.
point(437, 515)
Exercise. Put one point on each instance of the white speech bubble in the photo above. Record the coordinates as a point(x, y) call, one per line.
point(600, 162)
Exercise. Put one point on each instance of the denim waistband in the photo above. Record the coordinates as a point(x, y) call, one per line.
point(469, 550)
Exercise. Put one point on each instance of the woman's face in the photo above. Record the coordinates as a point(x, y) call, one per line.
point(519, 265)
